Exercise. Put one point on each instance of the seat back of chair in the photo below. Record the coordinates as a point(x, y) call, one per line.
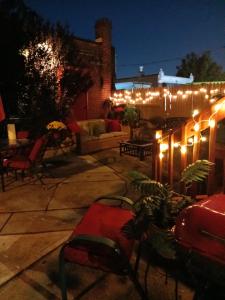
point(97, 252)
point(38, 149)
point(23, 134)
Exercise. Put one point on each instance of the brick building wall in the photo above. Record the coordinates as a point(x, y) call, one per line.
point(100, 57)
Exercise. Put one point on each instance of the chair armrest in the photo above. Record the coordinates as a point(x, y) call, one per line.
point(87, 240)
point(116, 198)
point(95, 242)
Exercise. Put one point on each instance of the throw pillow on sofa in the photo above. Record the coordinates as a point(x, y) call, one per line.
point(113, 125)
point(96, 128)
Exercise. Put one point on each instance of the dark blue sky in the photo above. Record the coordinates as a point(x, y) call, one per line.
point(146, 31)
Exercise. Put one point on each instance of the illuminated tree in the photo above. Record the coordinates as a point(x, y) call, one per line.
point(202, 67)
point(48, 74)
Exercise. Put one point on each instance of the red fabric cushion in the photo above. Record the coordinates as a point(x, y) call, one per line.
point(73, 126)
point(17, 163)
point(22, 134)
point(114, 125)
point(36, 148)
point(104, 221)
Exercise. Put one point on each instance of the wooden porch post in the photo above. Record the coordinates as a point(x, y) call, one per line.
point(212, 152)
point(170, 159)
point(155, 160)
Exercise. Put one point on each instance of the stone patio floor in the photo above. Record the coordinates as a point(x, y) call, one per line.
point(35, 220)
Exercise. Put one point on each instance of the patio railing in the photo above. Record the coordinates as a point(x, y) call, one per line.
point(201, 137)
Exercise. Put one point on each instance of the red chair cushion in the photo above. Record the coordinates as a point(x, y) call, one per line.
point(22, 134)
point(17, 163)
point(103, 221)
point(36, 149)
point(113, 125)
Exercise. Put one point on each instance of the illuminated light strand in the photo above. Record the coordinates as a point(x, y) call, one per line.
point(192, 140)
point(207, 93)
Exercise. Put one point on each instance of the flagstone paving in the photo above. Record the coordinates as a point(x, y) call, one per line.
point(36, 219)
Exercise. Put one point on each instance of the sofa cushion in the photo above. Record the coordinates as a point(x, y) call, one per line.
point(106, 135)
point(113, 125)
point(92, 127)
point(97, 128)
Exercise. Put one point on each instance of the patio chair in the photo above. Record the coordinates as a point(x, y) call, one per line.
point(98, 242)
point(28, 161)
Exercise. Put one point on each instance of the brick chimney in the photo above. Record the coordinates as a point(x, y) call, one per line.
point(103, 29)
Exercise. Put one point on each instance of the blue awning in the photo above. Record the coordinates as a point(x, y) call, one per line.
point(131, 85)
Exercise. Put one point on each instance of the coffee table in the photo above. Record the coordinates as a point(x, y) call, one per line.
point(136, 149)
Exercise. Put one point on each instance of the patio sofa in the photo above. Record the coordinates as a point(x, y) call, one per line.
point(99, 134)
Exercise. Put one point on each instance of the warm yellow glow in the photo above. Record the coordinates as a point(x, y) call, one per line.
point(158, 134)
point(163, 147)
point(161, 155)
point(195, 139)
point(203, 139)
point(218, 106)
point(176, 145)
point(212, 123)
point(25, 53)
point(195, 112)
point(206, 96)
point(195, 92)
point(183, 149)
point(196, 127)
point(191, 140)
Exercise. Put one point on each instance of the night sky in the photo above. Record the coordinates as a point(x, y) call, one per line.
point(153, 33)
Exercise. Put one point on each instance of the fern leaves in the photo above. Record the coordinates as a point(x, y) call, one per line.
point(146, 186)
point(197, 171)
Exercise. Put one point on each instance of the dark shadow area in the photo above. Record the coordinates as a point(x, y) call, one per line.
point(60, 167)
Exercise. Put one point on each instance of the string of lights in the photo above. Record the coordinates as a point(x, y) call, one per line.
point(146, 97)
point(192, 140)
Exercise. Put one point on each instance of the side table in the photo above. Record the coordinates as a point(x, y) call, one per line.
point(134, 149)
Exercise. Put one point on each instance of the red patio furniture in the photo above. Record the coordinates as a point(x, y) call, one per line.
point(23, 134)
point(28, 162)
point(98, 242)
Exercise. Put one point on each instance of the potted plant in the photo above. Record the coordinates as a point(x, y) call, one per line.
point(131, 117)
point(158, 206)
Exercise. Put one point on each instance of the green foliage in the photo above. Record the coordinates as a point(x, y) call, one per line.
point(32, 53)
point(158, 206)
point(201, 66)
point(131, 117)
point(159, 199)
point(196, 172)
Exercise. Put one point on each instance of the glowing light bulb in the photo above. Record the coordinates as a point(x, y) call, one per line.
point(212, 123)
point(218, 106)
point(176, 145)
point(161, 155)
point(203, 139)
point(163, 147)
point(183, 149)
point(191, 140)
point(196, 127)
point(195, 139)
point(195, 112)
point(158, 134)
